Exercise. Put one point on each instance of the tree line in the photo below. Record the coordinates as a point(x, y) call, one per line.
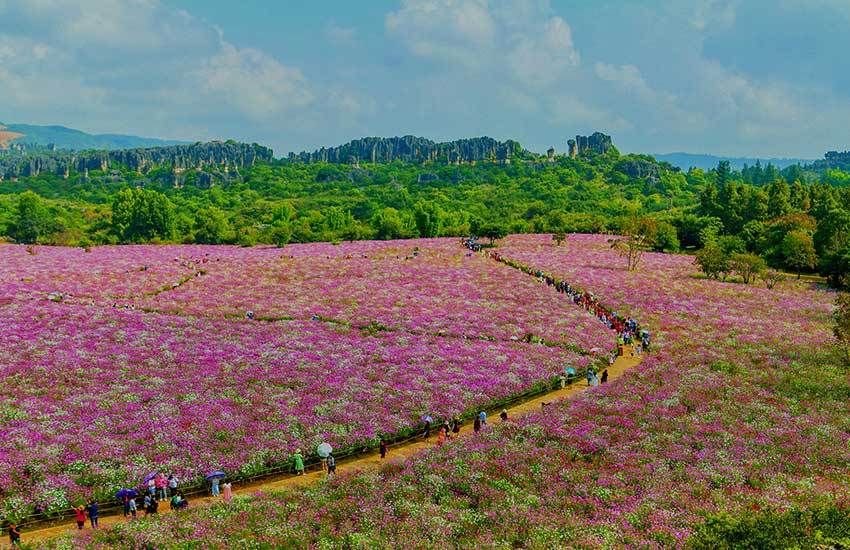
point(738, 223)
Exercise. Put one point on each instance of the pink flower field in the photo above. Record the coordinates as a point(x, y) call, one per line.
point(176, 378)
point(741, 405)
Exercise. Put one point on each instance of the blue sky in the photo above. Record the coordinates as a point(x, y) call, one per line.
point(734, 77)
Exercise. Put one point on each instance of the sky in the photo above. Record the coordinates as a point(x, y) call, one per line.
point(768, 78)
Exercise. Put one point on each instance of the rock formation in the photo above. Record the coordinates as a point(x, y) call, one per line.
point(414, 149)
point(595, 143)
point(217, 157)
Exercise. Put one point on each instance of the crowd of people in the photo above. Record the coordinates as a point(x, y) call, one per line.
point(629, 333)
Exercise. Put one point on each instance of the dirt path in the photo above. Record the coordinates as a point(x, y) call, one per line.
point(370, 461)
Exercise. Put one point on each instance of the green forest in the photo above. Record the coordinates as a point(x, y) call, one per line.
point(797, 219)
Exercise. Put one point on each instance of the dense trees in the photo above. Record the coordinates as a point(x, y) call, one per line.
point(32, 219)
point(758, 210)
point(141, 215)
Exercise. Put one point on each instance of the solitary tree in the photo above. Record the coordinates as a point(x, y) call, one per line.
point(748, 266)
point(639, 236)
point(712, 260)
point(559, 237)
point(493, 232)
point(771, 278)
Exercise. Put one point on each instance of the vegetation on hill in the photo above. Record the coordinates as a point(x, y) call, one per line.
point(797, 218)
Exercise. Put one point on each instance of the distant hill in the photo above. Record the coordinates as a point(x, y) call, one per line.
point(707, 162)
point(68, 138)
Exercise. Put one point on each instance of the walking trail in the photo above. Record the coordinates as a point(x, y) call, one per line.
point(360, 463)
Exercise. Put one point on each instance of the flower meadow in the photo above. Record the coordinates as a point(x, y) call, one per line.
point(128, 360)
point(741, 405)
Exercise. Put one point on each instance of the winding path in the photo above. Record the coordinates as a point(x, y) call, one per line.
point(361, 462)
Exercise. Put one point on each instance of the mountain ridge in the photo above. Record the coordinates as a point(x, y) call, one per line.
point(63, 137)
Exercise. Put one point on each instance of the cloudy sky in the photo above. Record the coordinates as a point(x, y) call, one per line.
point(748, 77)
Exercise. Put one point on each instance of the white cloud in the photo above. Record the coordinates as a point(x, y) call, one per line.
point(135, 66)
point(252, 82)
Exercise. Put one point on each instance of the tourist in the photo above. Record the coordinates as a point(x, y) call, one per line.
point(152, 487)
point(382, 448)
point(214, 482)
point(179, 502)
point(441, 436)
point(605, 376)
point(14, 535)
point(227, 492)
point(504, 415)
point(126, 501)
point(483, 417)
point(331, 465)
point(298, 460)
point(160, 482)
point(94, 511)
point(173, 482)
point(132, 507)
point(154, 506)
point(476, 426)
point(427, 432)
point(448, 429)
point(455, 425)
point(147, 504)
point(590, 374)
point(80, 516)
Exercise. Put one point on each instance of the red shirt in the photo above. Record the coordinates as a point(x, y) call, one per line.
point(80, 514)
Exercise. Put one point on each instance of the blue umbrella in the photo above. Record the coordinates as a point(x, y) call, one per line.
point(149, 477)
point(216, 474)
point(571, 371)
point(130, 493)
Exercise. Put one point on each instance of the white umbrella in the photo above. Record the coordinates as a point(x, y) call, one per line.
point(324, 449)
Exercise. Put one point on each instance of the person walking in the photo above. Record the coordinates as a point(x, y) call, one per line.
point(476, 425)
point(605, 376)
point(331, 465)
point(132, 507)
point(504, 415)
point(14, 535)
point(173, 482)
point(80, 516)
point(441, 436)
point(298, 461)
point(147, 504)
point(456, 426)
point(483, 417)
point(427, 432)
point(94, 512)
point(227, 492)
point(382, 448)
point(214, 486)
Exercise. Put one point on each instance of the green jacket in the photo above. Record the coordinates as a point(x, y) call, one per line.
point(299, 461)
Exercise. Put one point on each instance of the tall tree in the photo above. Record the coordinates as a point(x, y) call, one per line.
point(799, 251)
point(32, 219)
